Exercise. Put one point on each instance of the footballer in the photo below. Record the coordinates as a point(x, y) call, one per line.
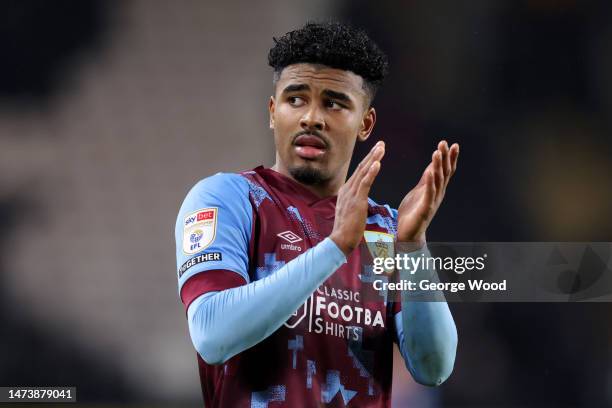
point(269, 269)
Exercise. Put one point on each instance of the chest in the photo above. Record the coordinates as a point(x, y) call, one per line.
point(284, 232)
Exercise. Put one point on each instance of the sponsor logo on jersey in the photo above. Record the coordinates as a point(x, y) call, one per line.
point(211, 256)
point(196, 236)
point(291, 247)
point(336, 312)
point(199, 230)
point(290, 237)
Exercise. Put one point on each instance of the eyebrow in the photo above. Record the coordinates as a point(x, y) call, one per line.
point(327, 92)
point(337, 95)
point(296, 88)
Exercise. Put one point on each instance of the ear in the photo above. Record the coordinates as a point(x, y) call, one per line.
point(271, 107)
point(367, 124)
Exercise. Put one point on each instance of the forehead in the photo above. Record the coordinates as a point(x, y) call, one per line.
point(320, 77)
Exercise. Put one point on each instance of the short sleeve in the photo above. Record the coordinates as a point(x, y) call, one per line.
point(213, 228)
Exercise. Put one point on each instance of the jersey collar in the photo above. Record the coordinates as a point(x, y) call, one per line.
point(289, 186)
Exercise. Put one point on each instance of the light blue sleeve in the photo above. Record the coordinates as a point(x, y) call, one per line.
point(225, 323)
point(426, 332)
point(213, 227)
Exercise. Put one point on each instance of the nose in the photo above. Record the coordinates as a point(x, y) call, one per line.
point(313, 119)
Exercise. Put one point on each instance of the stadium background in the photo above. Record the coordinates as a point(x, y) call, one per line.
point(111, 110)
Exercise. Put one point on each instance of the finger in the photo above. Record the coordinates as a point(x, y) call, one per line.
point(368, 156)
point(424, 177)
point(446, 164)
point(368, 179)
point(454, 155)
point(443, 149)
point(367, 161)
point(363, 162)
point(441, 180)
point(430, 189)
point(377, 154)
point(438, 172)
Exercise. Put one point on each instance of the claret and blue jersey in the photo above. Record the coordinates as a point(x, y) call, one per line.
point(336, 349)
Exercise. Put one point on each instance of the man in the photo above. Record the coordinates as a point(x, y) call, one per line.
point(280, 306)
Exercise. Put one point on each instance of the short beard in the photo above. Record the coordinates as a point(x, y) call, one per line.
point(309, 176)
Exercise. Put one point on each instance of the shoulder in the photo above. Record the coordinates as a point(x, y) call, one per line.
point(222, 185)
point(225, 193)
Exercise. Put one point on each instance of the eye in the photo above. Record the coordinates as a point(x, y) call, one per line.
point(295, 101)
point(333, 105)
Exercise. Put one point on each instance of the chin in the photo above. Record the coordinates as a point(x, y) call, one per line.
point(309, 174)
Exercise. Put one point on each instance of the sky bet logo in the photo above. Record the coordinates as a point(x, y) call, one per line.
point(199, 230)
point(201, 216)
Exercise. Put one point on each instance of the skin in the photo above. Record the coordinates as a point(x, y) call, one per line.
point(339, 121)
point(332, 104)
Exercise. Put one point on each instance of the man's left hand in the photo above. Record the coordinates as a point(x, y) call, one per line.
point(420, 205)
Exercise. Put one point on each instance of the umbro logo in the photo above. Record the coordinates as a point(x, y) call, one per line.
point(290, 237)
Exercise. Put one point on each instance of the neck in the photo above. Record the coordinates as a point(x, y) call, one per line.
point(327, 189)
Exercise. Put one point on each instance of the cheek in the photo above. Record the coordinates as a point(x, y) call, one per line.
point(347, 136)
point(284, 127)
point(348, 126)
point(286, 116)
point(348, 121)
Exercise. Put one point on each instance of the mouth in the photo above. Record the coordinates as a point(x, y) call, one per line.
point(309, 146)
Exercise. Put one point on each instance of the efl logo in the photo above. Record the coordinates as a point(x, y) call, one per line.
point(289, 237)
point(199, 230)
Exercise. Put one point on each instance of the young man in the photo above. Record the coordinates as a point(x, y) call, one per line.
point(279, 302)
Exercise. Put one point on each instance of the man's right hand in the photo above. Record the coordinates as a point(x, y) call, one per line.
point(352, 202)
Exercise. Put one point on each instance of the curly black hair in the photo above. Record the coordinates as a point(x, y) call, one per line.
point(335, 45)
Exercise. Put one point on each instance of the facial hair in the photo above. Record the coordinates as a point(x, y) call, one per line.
point(309, 176)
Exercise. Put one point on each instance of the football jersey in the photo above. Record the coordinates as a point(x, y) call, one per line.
point(336, 350)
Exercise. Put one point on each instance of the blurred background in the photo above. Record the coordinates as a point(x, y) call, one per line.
point(111, 110)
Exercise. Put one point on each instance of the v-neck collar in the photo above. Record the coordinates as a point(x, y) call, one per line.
point(289, 186)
